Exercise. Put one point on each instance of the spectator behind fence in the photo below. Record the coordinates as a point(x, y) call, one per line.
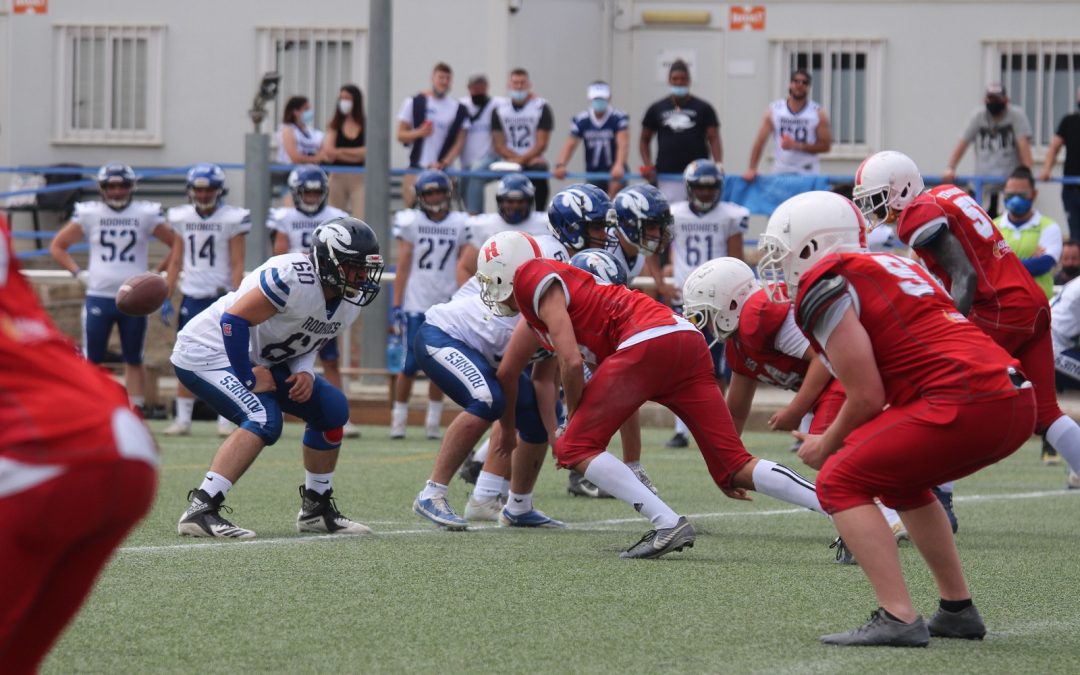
point(801, 129)
point(686, 128)
point(298, 141)
point(1034, 238)
point(1001, 133)
point(520, 131)
point(1070, 263)
point(1067, 134)
point(606, 132)
point(344, 146)
point(433, 125)
point(479, 106)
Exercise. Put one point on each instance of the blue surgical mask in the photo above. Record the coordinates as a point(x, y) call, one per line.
point(599, 105)
point(1018, 205)
point(518, 95)
point(679, 92)
point(308, 117)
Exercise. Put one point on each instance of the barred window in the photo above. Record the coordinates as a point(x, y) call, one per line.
point(109, 80)
point(313, 62)
point(845, 75)
point(1039, 76)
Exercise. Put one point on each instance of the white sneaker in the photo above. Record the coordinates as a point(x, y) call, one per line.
point(432, 431)
point(484, 509)
point(397, 429)
point(350, 430)
point(225, 428)
point(1074, 481)
point(177, 429)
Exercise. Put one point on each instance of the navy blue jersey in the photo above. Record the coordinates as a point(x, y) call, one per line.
point(599, 137)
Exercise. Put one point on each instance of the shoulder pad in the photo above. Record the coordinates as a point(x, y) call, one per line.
point(825, 291)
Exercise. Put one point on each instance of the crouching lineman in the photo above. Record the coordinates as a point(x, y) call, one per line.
point(459, 346)
point(642, 351)
point(251, 356)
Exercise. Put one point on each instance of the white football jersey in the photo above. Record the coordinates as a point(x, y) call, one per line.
point(486, 225)
point(299, 225)
point(802, 126)
point(696, 239)
point(302, 325)
point(206, 264)
point(433, 275)
point(1065, 317)
point(118, 242)
point(465, 317)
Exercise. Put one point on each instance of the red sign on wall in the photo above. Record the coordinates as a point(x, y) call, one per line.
point(743, 18)
point(27, 6)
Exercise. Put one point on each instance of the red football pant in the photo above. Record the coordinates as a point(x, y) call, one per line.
point(906, 450)
point(1035, 351)
point(55, 539)
point(674, 370)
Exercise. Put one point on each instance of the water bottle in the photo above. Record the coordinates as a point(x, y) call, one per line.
point(395, 353)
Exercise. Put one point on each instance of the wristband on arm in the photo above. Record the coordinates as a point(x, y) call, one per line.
point(236, 334)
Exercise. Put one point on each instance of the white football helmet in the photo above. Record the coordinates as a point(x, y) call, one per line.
point(885, 184)
point(714, 295)
point(499, 258)
point(801, 231)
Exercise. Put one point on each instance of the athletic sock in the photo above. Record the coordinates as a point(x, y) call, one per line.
point(681, 428)
point(434, 414)
point(504, 489)
point(954, 605)
point(399, 414)
point(215, 484)
point(319, 482)
point(518, 504)
point(184, 406)
point(1064, 436)
point(777, 480)
point(488, 485)
point(482, 452)
point(609, 474)
point(433, 490)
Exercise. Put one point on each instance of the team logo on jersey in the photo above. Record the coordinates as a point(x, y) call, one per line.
point(336, 237)
point(577, 201)
point(634, 202)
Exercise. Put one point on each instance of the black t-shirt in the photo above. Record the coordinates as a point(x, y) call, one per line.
point(680, 132)
point(1069, 130)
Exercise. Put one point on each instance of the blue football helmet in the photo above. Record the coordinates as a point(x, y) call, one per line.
point(576, 210)
point(433, 191)
point(515, 187)
point(640, 208)
point(605, 267)
point(306, 179)
point(114, 174)
point(704, 184)
point(203, 176)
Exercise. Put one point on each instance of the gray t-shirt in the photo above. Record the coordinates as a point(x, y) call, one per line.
point(995, 140)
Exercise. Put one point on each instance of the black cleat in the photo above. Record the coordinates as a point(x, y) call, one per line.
point(202, 519)
point(658, 542)
point(678, 441)
point(318, 513)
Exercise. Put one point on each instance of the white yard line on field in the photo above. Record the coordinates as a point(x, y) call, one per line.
point(594, 525)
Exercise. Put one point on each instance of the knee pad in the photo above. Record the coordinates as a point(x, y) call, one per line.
point(323, 440)
point(269, 431)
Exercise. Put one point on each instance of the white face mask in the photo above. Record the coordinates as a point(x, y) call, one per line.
point(344, 106)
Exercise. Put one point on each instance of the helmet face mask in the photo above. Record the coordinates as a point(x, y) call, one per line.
point(704, 184)
point(117, 185)
point(205, 187)
point(345, 253)
point(715, 293)
point(497, 262)
point(885, 183)
point(801, 231)
point(515, 198)
point(644, 218)
point(577, 209)
point(310, 189)
point(433, 192)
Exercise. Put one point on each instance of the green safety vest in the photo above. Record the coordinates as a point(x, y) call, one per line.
point(1025, 242)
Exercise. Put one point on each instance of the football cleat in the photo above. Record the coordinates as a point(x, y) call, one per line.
point(531, 518)
point(397, 429)
point(946, 502)
point(202, 519)
point(1049, 455)
point(678, 441)
point(432, 432)
point(225, 428)
point(967, 624)
point(470, 470)
point(578, 486)
point(844, 556)
point(319, 513)
point(900, 532)
point(484, 509)
point(177, 429)
point(882, 631)
point(350, 430)
point(1073, 482)
point(665, 540)
point(439, 511)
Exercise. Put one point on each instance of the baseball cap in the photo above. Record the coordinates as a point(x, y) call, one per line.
point(477, 79)
point(599, 90)
point(995, 89)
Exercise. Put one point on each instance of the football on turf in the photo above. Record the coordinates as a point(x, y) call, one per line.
point(142, 294)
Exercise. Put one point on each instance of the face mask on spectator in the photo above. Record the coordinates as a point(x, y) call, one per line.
point(995, 107)
point(480, 100)
point(344, 106)
point(679, 91)
point(599, 105)
point(1018, 204)
point(308, 117)
point(518, 95)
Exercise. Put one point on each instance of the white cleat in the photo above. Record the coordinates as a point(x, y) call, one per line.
point(224, 429)
point(350, 430)
point(177, 429)
point(484, 509)
point(432, 432)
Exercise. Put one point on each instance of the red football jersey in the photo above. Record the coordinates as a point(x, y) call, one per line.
point(922, 345)
point(1006, 295)
point(55, 407)
point(751, 351)
point(603, 315)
